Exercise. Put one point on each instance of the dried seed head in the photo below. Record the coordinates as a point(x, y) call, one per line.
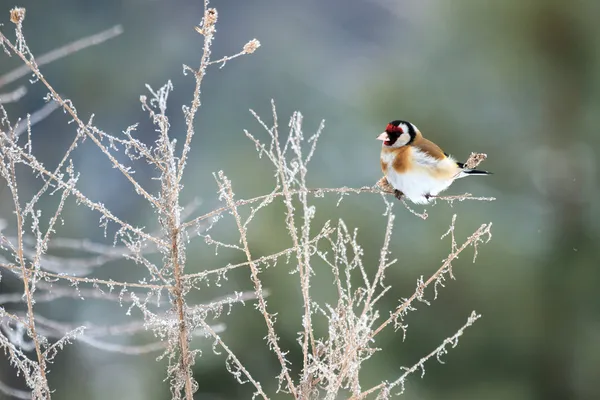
point(17, 15)
point(210, 18)
point(475, 159)
point(251, 46)
point(207, 26)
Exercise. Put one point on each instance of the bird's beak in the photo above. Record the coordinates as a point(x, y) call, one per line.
point(384, 136)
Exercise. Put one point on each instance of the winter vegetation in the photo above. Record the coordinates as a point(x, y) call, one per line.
point(32, 251)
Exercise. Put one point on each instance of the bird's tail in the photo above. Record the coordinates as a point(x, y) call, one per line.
point(468, 171)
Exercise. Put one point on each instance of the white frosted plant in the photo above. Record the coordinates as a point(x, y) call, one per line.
point(331, 363)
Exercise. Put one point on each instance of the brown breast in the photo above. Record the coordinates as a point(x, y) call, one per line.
point(398, 158)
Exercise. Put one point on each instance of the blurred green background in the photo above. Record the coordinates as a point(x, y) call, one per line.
point(516, 79)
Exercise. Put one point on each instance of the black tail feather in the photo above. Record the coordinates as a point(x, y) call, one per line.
point(477, 172)
point(469, 171)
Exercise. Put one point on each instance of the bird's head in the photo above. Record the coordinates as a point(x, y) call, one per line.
point(398, 133)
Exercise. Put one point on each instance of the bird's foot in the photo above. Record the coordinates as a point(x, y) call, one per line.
point(398, 194)
point(384, 185)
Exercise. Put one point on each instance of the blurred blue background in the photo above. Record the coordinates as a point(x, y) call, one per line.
point(518, 80)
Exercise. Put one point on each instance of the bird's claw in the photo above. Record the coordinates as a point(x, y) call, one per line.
point(398, 194)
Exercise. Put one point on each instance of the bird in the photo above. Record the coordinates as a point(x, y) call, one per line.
point(416, 167)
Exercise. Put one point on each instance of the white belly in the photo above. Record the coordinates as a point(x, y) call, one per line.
point(417, 184)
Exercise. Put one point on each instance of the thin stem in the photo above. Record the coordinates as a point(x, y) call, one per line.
point(303, 269)
point(262, 304)
point(83, 127)
point(94, 281)
point(199, 275)
point(26, 289)
point(210, 18)
point(476, 236)
point(319, 192)
point(235, 360)
point(452, 340)
point(62, 52)
point(180, 303)
point(472, 240)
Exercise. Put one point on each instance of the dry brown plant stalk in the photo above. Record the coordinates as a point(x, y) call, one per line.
point(331, 364)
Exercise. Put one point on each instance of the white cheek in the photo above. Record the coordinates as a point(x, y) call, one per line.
point(402, 140)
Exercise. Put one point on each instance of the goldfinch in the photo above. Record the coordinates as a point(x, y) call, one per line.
point(415, 166)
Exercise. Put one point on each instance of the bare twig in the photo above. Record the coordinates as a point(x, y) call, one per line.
point(36, 117)
point(386, 387)
point(319, 192)
point(62, 52)
point(227, 193)
point(231, 356)
point(332, 359)
point(473, 240)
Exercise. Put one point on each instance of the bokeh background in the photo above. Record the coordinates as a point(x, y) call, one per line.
point(518, 80)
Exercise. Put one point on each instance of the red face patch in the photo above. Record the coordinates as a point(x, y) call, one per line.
point(392, 128)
